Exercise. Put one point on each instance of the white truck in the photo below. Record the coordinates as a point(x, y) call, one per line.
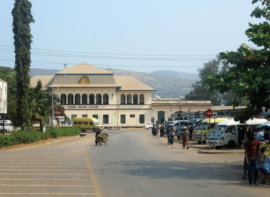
point(230, 133)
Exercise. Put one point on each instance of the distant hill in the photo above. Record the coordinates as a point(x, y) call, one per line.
point(40, 71)
point(176, 75)
point(169, 84)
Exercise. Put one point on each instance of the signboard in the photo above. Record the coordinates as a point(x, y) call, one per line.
point(187, 114)
point(183, 114)
point(59, 111)
point(81, 107)
point(192, 114)
point(209, 113)
point(201, 114)
point(214, 114)
point(60, 118)
point(3, 97)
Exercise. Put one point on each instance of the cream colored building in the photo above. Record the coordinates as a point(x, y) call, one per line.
point(89, 91)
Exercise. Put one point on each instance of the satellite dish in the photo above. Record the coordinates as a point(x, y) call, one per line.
point(157, 97)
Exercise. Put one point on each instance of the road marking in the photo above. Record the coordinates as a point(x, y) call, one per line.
point(44, 174)
point(45, 185)
point(95, 185)
point(43, 179)
point(77, 194)
point(23, 169)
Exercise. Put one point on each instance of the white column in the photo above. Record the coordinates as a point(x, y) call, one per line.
point(101, 99)
point(80, 98)
point(67, 99)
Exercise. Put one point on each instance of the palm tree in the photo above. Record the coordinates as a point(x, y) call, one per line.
point(40, 104)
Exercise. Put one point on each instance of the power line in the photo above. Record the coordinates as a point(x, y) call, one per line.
point(104, 65)
point(116, 54)
point(111, 57)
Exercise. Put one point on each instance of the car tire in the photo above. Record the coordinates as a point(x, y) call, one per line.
point(218, 147)
point(199, 142)
point(231, 144)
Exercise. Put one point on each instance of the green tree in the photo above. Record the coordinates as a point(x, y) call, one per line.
point(41, 104)
point(249, 74)
point(200, 91)
point(22, 18)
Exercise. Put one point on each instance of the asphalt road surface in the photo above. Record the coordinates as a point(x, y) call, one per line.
point(132, 164)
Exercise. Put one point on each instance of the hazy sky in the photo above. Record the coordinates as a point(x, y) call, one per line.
point(122, 34)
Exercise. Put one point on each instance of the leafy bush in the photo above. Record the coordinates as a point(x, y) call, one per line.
point(65, 131)
point(26, 137)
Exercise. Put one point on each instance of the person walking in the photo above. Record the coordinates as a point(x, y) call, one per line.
point(97, 133)
point(171, 135)
point(252, 153)
point(185, 138)
point(162, 130)
point(265, 158)
point(190, 132)
point(157, 129)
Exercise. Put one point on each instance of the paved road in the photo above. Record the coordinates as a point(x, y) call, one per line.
point(134, 164)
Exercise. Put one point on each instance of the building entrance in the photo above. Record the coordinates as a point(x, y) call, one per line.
point(161, 117)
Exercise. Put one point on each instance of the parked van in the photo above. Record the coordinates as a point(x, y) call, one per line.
point(8, 126)
point(231, 133)
point(202, 130)
point(87, 124)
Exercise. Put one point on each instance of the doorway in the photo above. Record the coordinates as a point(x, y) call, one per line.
point(161, 117)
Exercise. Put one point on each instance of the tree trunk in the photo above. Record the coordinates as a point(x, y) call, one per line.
point(41, 126)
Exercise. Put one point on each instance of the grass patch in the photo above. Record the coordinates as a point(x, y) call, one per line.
point(26, 137)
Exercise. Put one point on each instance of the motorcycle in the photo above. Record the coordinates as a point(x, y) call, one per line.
point(102, 138)
point(154, 131)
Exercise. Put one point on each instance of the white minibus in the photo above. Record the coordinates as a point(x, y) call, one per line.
point(231, 133)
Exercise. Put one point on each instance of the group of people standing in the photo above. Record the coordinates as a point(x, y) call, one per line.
point(171, 133)
point(257, 158)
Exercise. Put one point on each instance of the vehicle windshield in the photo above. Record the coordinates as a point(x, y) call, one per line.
point(96, 122)
point(168, 123)
point(219, 129)
point(201, 126)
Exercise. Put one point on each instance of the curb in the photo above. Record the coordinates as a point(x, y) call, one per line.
point(219, 152)
point(46, 143)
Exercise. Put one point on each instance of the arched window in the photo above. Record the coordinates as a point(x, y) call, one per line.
point(84, 99)
point(77, 99)
point(63, 99)
point(98, 99)
point(135, 99)
point(141, 99)
point(105, 99)
point(129, 99)
point(123, 99)
point(92, 99)
point(70, 99)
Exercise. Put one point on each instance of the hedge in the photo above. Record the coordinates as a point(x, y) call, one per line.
point(26, 137)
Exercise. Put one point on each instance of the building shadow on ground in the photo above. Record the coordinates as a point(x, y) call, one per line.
point(229, 174)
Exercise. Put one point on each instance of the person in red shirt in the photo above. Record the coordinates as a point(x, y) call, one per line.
point(252, 152)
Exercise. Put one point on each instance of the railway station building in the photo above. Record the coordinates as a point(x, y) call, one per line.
point(89, 91)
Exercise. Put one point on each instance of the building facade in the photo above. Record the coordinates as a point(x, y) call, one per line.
point(89, 91)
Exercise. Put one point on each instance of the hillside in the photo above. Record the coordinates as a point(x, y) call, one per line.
point(167, 84)
point(176, 75)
